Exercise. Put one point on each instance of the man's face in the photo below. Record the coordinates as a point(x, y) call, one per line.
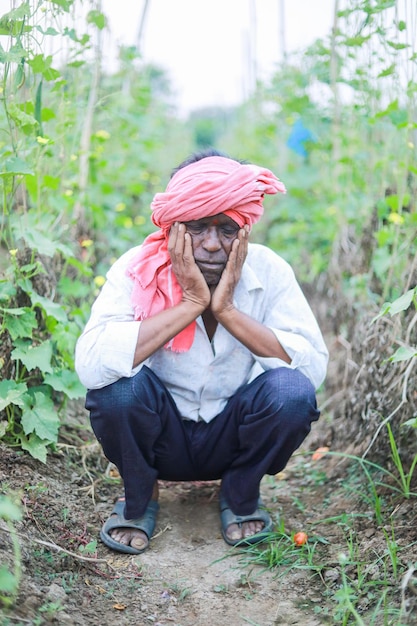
point(212, 239)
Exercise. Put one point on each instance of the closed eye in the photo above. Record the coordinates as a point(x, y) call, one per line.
point(196, 229)
point(229, 231)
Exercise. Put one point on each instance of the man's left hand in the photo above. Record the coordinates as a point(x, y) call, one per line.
point(222, 297)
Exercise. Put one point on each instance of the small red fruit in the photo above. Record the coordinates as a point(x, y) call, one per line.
point(300, 538)
point(319, 453)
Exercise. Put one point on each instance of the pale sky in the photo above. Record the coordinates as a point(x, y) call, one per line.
point(206, 45)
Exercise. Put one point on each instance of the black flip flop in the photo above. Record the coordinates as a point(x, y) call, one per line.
point(227, 517)
point(117, 520)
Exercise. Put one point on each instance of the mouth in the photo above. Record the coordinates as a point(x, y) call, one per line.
point(207, 266)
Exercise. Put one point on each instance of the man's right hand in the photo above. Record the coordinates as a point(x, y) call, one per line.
point(157, 330)
point(189, 276)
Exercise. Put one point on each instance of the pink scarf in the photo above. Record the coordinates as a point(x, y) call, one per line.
point(207, 187)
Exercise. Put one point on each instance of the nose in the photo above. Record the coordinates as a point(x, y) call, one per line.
point(211, 241)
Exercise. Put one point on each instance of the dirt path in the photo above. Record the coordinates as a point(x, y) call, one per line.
point(188, 577)
point(187, 569)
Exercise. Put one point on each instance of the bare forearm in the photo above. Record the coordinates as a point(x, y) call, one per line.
point(157, 330)
point(259, 339)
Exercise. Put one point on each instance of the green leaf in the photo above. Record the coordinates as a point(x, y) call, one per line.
point(404, 353)
point(40, 417)
point(52, 309)
point(398, 46)
point(51, 182)
point(35, 446)
point(14, 28)
point(76, 64)
point(382, 5)
point(82, 268)
point(22, 119)
point(70, 32)
point(14, 55)
point(393, 106)
point(36, 234)
point(403, 302)
point(40, 242)
point(23, 283)
point(345, 12)
point(64, 4)
point(13, 23)
point(18, 13)
point(71, 288)
point(9, 510)
point(48, 31)
point(32, 269)
point(390, 70)
point(34, 356)
point(15, 166)
point(67, 382)
point(359, 40)
point(97, 18)
point(8, 582)
point(20, 322)
point(7, 290)
point(381, 262)
point(39, 63)
point(400, 304)
point(11, 392)
point(51, 74)
point(89, 548)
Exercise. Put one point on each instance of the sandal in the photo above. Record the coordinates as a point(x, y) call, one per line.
point(117, 520)
point(228, 517)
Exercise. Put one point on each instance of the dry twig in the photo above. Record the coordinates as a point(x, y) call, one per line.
point(57, 548)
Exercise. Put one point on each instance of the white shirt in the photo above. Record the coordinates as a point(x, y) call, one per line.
point(204, 378)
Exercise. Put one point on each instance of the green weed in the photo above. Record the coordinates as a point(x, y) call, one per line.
point(404, 478)
point(366, 580)
point(180, 589)
point(11, 513)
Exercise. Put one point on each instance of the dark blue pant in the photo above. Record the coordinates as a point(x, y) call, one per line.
point(140, 430)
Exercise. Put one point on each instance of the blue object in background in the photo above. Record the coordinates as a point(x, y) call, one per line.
point(298, 137)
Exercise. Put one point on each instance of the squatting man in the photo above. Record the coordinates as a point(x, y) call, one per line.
point(201, 355)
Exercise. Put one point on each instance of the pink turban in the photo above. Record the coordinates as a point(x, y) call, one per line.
point(207, 187)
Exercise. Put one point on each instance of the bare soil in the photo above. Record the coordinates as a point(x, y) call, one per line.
point(188, 576)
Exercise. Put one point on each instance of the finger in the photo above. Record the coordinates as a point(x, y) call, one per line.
point(180, 242)
point(230, 266)
point(235, 253)
point(243, 235)
point(188, 248)
point(243, 245)
point(176, 250)
point(172, 237)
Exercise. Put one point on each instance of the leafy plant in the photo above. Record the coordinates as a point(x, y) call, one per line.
point(41, 339)
point(63, 137)
point(37, 332)
point(400, 304)
point(9, 580)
